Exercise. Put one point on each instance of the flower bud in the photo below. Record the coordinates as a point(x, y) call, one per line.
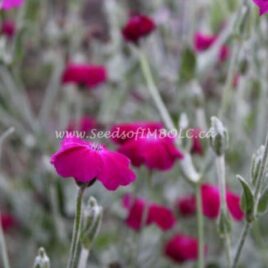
point(224, 224)
point(218, 136)
point(256, 164)
point(91, 223)
point(41, 260)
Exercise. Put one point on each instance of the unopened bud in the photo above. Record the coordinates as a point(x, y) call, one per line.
point(41, 260)
point(91, 223)
point(218, 136)
point(224, 224)
point(256, 161)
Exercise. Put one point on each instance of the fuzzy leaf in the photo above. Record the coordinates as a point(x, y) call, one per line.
point(247, 198)
point(263, 202)
point(188, 65)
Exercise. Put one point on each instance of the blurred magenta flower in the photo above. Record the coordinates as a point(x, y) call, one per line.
point(203, 42)
point(8, 28)
point(186, 205)
point(210, 200)
point(233, 203)
point(86, 161)
point(224, 53)
point(153, 151)
point(263, 6)
point(211, 203)
point(124, 132)
point(156, 214)
point(181, 248)
point(9, 4)
point(89, 76)
point(85, 124)
point(7, 221)
point(137, 27)
point(197, 147)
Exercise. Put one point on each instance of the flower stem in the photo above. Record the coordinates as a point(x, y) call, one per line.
point(220, 164)
point(73, 257)
point(230, 76)
point(200, 226)
point(3, 248)
point(241, 244)
point(84, 254)
point(154, 91)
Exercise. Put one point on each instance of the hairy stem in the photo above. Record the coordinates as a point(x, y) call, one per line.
point(241, 244)
point(73, 257)
point(3, 248)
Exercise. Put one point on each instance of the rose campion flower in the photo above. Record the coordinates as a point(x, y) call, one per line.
point(187, 206)
point(7, 221)
point(86, 161)
point(85, 124)
point(181, 248)
point(137, 27)
point(8, 28)
point(263, 6)
point(233, 204)
point(9, 4)
point(203, 42)
point(211, 203)
point(123, 132)
point(89, 76)
point(157, 214)
point(197, 147)
point(153, 151)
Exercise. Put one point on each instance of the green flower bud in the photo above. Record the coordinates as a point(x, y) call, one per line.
point(91, 223)
point(41, 260)
point(218, 136)
point(224, 224)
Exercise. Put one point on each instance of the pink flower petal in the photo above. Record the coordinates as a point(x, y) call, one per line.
point(115, 170)
point(76, 159)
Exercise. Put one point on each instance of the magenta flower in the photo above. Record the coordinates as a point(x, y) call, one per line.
point(85, 124)
point(137, 27)
point(9, 4)
point(197, 147)
point(153, 151)
point(8, 28)
point(89, 76)
point(233, 204)
point(123, 132)
point(210, 200)
point(203, 42)
point(211, 203)
point(224, 53)
point(157, 214)
point(181, 248)
point(187, 205)
point(7, 221)
point(86, 161)
point(263, 6)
